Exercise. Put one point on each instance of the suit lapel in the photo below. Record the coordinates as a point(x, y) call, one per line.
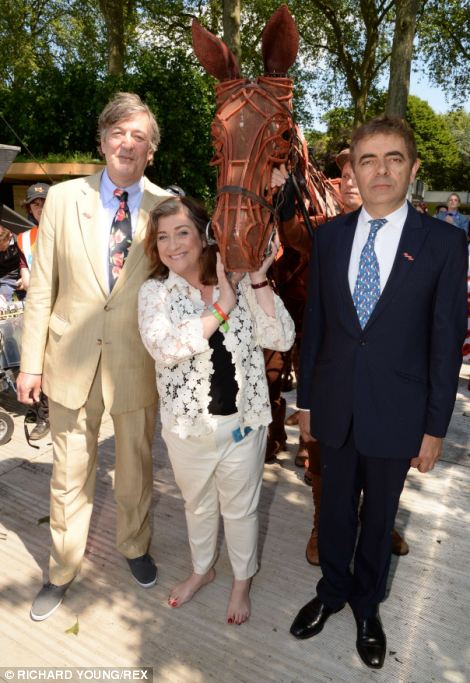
point(344, 242)
point(412, 239)
point(88, 209)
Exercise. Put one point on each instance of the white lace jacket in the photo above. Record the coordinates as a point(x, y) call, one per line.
point(171, 329)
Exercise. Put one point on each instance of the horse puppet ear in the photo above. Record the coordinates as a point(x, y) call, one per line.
point(280, 42)
point(213, 54)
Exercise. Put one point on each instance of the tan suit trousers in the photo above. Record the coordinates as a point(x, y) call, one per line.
point(75, 446)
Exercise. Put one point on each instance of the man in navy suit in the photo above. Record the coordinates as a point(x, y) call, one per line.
point(381, 351)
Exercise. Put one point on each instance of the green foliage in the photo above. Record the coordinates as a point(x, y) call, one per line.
point(436, 145)
point(442, 140)
point(55, 112)
point(458, 122)
point(39, 34)
point(184, 103)
point(444, 45)
point(53, 82)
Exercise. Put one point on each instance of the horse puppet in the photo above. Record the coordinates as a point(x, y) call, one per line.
point(254, 132)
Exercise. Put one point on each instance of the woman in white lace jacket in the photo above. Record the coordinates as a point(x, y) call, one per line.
point(205, 332)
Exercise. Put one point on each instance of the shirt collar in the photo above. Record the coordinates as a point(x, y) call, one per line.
point(396, 217)
point(107, 188)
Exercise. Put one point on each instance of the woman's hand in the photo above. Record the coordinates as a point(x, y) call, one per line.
point(279, 176)
point(227, 286)
point(260, 275)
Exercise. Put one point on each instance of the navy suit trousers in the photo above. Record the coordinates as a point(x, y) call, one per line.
point(345, 474)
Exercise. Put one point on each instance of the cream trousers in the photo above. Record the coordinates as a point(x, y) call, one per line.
point(75, 446)
point(217, 475)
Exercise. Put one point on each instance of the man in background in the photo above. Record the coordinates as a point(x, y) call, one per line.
point(34, 203)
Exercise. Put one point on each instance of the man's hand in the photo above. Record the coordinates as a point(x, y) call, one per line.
point(28, 388)
point(429, 453)
point(304, 426)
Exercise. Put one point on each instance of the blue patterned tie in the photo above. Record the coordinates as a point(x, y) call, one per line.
point(367, 287)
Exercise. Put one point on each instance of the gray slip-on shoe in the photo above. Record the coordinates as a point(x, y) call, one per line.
point(48, 600)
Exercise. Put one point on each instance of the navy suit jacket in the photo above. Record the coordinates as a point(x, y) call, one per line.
point(395, 380)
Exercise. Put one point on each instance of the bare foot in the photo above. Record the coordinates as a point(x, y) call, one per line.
point(185, 590)
point(239, 605)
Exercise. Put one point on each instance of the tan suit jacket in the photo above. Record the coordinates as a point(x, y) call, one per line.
point(71, 320)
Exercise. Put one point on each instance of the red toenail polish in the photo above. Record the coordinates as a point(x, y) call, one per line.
point(230, 621)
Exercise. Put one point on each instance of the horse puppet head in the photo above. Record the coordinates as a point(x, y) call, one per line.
point(252, 132)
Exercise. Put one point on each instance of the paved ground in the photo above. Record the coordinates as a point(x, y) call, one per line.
point(120, 624)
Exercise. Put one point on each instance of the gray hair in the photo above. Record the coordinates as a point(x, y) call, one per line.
point(123, 106)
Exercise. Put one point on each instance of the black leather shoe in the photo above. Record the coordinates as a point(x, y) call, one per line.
point(40, 430)
point(371, 642)
point(311, 618)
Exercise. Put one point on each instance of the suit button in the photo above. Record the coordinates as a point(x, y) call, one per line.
point(107, 308)
point(99, 342)
point(362, 342)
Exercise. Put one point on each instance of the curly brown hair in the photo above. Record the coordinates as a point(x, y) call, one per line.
point(199, 216)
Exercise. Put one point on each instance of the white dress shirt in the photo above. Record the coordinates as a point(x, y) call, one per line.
point(386, 243)
point(109, 205)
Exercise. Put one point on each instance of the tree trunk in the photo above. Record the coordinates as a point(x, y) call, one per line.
point(231, 24)
point(400, 62)
point(360, 104)
point(114, 13)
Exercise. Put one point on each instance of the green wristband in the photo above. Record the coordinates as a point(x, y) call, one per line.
point(222, 323)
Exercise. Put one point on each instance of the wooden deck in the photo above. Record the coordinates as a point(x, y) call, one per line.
point(122, 625)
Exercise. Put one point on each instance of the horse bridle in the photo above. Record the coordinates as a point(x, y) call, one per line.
point(238, 190)
point(274, 207)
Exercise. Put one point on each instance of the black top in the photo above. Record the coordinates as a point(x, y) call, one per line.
point(224, 388)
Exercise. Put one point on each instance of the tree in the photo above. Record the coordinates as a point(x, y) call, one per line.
point(231, 22)
point(437, 147)
point(118, 16)
point(444, 45)
point(38, 34)
point(458, 122)
point(400, 60)
point(58, 73)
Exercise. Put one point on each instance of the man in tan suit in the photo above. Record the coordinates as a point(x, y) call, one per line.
point(81, 344)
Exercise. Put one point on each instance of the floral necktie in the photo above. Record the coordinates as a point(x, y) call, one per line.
point(120, 237)
point(367, 287)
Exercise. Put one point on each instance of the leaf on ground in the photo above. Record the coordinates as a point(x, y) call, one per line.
point(44, 520)
point(73, 629)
